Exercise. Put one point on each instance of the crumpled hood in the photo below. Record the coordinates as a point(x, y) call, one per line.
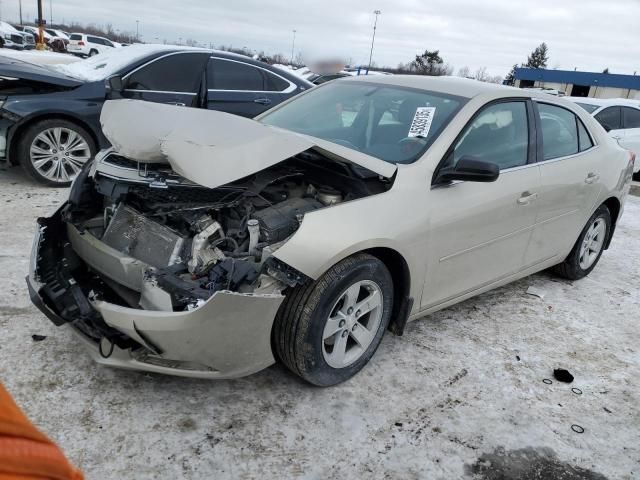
point(208, 147)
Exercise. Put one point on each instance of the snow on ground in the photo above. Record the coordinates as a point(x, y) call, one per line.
point(461, 393)
point(40, 57)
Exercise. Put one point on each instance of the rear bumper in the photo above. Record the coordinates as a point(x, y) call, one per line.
point(227, 336)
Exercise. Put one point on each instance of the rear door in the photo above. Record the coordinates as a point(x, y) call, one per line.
point(570, 165)
point(174, 79)
point(243, 89)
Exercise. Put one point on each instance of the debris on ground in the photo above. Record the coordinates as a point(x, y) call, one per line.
point(38, 338)
point(536, 292)
point(562, 375)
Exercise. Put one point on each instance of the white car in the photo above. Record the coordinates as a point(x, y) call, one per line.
point(36, 33)
point(620, 117)
point(89, 45)
point(12, 38)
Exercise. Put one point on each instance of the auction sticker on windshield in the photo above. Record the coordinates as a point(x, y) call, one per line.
point(421, 123)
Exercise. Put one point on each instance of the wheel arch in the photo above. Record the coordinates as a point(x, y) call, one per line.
point(17, 132)
point(614, 206)
point(401, 275)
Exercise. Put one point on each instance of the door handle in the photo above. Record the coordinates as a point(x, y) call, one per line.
point(591, 178)
point(263, 101)
point(526, 198)
point(178, 104)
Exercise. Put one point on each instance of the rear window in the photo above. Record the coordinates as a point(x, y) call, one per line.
point(75, 36)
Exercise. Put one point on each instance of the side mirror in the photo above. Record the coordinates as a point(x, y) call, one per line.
point(469, 169)
point(114, 86)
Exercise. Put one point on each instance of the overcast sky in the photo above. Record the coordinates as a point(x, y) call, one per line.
point(587, 34)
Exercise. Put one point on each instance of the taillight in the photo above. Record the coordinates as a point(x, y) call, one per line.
point(632, 158)
point(81, 43)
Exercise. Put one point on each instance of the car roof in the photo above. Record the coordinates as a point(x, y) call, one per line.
point(606, 102)
point(462, 87)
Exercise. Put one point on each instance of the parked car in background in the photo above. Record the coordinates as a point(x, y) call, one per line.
point(86, 45)
point(12, 38)
point(49, 118)
point(35, 32)
point(57, 33)
point(319, 79)
point(207, 245)
point(620, 117)
point(29, 38)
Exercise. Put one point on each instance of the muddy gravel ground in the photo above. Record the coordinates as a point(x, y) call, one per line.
point(460, 395)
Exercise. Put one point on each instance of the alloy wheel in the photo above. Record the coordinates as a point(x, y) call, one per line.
point(352, 324)
point(592, 243)
point(59, 153)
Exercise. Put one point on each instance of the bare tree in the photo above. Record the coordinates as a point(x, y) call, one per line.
point(464, 72)
point(481, 74)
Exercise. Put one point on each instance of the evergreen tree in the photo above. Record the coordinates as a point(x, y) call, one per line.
point(511, 76)
point(539, 57)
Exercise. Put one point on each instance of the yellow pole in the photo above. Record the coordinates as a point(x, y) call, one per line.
point(40, 45)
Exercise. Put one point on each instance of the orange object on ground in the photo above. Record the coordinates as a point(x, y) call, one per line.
point(25, 453)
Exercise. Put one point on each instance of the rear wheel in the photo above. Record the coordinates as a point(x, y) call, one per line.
point(53, 151)
point(588, 248)
point(93, 52)
point(327, 331)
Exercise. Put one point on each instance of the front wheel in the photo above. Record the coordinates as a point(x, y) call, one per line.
point(588, 248)
point(53, 151)
point(93, 52)
point(328, 330)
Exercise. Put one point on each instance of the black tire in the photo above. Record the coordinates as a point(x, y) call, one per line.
point(27, 137)
point(571, 268)
point(93, 52)
point(636, 176)
point(297, 335)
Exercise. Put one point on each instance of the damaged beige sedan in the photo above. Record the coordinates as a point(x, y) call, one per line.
point(208, 245)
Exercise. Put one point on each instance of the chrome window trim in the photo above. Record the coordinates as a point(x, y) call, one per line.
point(567, 157)
point(292, 86)
point(158, 91)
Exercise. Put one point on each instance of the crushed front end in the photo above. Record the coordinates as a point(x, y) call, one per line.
point(154, 272)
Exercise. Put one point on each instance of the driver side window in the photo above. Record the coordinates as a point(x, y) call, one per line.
point(499, 134)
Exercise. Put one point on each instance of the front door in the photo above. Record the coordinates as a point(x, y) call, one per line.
point(479, 232)
point(174, 79)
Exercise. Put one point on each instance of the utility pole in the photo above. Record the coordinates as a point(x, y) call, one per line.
point(293, 44)
point(20, 5)
point(41, 45)
point(137, 30)
point(51, 13)
point(375, 24)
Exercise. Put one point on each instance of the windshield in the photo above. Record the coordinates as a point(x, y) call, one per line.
point(588, 107)
point(394, 124)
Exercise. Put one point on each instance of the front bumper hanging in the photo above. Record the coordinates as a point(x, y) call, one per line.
point(227, 336)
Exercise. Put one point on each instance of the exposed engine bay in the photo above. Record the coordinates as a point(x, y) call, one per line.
point(196, 240)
